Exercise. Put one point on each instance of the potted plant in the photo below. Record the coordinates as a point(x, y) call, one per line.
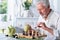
point(26, 6)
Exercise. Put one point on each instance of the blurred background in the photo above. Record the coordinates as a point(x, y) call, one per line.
point(13, 13)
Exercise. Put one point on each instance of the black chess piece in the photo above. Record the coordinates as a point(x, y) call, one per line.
point(33, 37)
point(6, 35)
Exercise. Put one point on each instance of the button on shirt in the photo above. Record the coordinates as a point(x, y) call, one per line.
point(53, 22)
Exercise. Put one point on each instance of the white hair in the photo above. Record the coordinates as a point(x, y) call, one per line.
point(45, 2)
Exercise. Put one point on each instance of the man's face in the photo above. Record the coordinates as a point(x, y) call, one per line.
point(42, 9)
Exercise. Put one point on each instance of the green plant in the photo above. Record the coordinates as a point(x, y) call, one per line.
point(4, 18)
point(26, 4)
point(3, 7)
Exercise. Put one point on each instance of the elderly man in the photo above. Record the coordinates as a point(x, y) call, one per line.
point(49, 20)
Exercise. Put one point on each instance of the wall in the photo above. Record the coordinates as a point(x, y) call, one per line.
point(20, 22)
point(58, 6)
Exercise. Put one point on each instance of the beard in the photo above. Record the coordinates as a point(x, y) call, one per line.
point(44, 16)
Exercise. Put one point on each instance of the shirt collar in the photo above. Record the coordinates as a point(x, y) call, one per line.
point(50, 14)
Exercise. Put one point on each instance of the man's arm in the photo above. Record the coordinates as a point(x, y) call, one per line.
point(49, 30)
point(43, 26)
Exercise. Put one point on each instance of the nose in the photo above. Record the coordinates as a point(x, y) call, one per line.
point(43, 10)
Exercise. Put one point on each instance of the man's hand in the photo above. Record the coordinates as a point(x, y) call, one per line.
point(41, 25)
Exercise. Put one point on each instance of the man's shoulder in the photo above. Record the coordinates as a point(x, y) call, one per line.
point(57, 14)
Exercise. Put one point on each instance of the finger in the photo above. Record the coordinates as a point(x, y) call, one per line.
point(39, 26)
point(38, 23)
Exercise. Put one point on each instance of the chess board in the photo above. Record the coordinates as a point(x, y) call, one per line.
point(31, 34)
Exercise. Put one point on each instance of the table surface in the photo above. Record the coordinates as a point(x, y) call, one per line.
point(3, 37)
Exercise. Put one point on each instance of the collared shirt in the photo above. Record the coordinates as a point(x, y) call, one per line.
point(53, 22)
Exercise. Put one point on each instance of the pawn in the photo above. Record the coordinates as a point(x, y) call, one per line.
point(23, 33)
point(33, 33)
point(38, 34)
point(28, 32)
point(33, 37)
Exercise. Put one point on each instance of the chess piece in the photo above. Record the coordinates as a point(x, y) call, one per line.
point(29, 33)
point(33, 33)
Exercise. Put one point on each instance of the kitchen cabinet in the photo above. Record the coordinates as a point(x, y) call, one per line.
point(20, 22)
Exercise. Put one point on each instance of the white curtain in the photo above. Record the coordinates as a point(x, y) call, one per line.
point(11, 11)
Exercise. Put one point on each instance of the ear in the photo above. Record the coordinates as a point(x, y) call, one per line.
point(49, 6)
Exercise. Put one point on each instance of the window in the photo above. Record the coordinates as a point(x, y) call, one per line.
point(3, 10)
